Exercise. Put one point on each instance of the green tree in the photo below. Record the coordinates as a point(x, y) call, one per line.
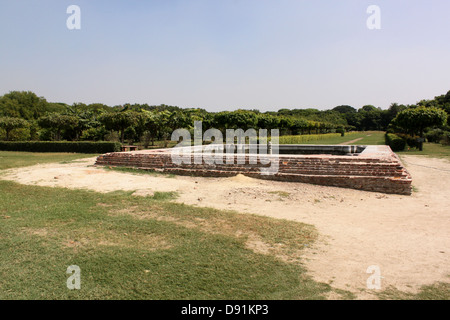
point(58, 122)
point(298, 126)
point(267, 121)
point(239, 119)
point(286, 124)
point(205, 117)
point(443, 102)
point(388, 115)
point(344, 109)
point(178, 120)
point(371, 118)
point(415, 120)
point(9, 124)
point(119, 121)
point(149, 119)
point(24, 104)
point(161, 122)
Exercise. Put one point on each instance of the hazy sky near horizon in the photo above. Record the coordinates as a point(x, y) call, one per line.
point(227, 54)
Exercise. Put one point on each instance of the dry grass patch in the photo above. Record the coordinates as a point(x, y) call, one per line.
point(278, 250)
point(281, 239)
point(42, 232)
point(88, 239)
point(148, 242)
point(93, 238)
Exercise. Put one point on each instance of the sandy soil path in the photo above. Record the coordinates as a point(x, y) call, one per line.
point(350, 142)
point(407, 237)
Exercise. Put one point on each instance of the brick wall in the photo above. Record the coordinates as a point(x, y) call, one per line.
point(381, 172)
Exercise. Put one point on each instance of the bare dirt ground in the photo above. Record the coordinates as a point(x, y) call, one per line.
point(352, 141)
point(407, 237)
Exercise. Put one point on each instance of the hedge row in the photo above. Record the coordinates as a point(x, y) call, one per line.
point(57, 146)
point(412, 141)
point(395, 142)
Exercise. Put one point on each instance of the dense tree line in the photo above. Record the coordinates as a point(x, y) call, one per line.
point(25, 116)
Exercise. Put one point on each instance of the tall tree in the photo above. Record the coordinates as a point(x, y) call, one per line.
point(161, 122)
point(119, 121)
point(416, 119)
point(299, 126)
point(443, 102)
point(24, 104)
point(344, 109)
point(268, 121)
point(58, 122)
point(371, 118)
point(9, 124)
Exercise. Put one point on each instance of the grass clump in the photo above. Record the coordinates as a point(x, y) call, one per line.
point(13, 159)
point(436, 291)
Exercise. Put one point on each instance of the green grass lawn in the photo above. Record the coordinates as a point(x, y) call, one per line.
point(436, 291)
point(144, 248)
point(369, 137)
point(11, 159)
point(377, 138)
point(435, 150)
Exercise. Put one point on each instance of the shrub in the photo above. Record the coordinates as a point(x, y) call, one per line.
point(435, 135)
point(395, 142)
point(411, 141)
point(146, 139)
point(446, 138)
point(11, 124)
point(20, 134)
point(61, 146)
point(94, 134)
point(113, 136)
point(341, 130)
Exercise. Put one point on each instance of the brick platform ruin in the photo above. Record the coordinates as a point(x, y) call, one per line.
point(369, 168)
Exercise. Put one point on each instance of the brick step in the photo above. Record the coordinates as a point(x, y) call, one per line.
point(393, 166)
point(357, 169)
point(289, 161)
point(366, 171)
point(214, 172)
point(154, 160)
point(344, 176)
point(340, 164)
point(347, 173)
point(393, 170)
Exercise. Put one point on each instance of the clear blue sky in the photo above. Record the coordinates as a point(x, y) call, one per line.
point(227, 54)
